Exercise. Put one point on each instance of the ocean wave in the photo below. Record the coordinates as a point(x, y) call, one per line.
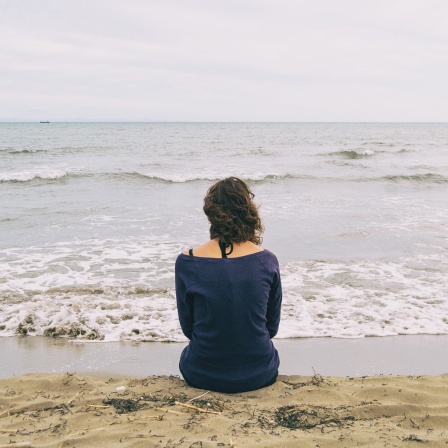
point(100, 314)
point(46, 173)
point(163, 178)
point(364, 298)
point(84, 267)
point(429, 178)
point(353, 153)
point(186, 178)
point(92, 291)
point(25, 151)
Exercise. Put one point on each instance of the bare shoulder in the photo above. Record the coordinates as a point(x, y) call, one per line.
point(210, 250)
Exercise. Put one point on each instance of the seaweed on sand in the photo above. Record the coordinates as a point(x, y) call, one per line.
point(123, 405)
point(307, 416)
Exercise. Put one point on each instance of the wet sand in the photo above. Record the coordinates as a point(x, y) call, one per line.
point(395, 355)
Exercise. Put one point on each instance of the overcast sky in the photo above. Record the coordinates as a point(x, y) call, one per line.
point(224, 60)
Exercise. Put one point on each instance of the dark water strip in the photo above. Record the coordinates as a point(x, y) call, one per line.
point(393, 355)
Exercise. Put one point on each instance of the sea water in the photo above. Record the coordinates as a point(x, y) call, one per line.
point(93, 216)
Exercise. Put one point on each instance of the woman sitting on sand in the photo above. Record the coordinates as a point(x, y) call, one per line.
point(229, 297)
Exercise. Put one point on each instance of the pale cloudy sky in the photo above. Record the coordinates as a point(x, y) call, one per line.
point(224, 60)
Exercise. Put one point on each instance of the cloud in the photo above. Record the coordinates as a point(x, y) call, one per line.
point(240, 60)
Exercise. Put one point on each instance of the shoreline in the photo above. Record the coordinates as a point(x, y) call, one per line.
point(389, 355)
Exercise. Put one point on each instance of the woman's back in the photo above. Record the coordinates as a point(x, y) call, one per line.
point(229, 308)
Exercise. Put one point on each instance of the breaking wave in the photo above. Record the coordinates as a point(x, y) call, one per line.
point(429, 178)
point(351, 299)
point(24, 151)
point(37, 174)
point(354, 153)
point(185, 178)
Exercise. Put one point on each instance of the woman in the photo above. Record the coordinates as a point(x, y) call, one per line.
point(229, 297)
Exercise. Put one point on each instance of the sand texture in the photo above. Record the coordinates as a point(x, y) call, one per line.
point(71, 410)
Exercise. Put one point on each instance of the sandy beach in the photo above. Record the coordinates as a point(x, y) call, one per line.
point(373, 392)
point(72, 410)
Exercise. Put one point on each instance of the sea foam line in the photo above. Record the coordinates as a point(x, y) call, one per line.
point(321, 299)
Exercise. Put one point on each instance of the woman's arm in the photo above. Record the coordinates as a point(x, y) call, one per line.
point(274, 305)
point(184, 302)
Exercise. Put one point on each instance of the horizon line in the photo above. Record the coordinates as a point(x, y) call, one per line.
point(49, 121)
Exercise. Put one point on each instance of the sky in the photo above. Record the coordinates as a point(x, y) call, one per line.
point(224, 60)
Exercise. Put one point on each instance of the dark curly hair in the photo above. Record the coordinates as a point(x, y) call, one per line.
point(232, 213)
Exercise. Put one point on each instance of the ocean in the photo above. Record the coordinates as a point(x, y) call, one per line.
point(93, 216)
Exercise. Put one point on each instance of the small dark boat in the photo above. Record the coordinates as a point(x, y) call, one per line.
point(45, 122)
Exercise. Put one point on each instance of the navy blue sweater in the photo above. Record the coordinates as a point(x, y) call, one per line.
point(229, 309)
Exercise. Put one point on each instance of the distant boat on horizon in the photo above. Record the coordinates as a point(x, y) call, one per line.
point(45, 122)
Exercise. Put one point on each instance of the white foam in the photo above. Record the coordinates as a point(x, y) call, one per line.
point(96, 289)
point(365, 152)
point(364, 298)
point(43, 172)
point(87, 263)
point(103, 290)
point(110, 315)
